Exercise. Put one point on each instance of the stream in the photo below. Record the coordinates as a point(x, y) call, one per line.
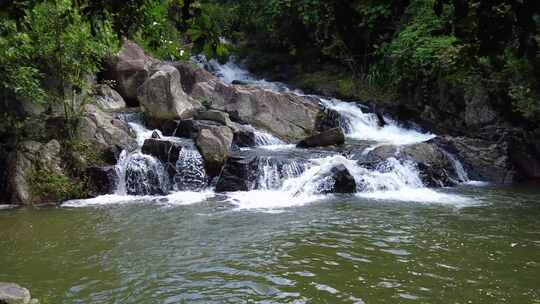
point(284, 240)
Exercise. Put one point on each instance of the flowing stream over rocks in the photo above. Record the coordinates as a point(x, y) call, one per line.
point(280, 174)
point(387, 217)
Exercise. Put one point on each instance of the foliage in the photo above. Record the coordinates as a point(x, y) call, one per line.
point(401, 45)
point(48, 185)
point(67, 45)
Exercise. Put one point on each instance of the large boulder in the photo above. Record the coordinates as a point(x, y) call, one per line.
point(192, 74)
point(288, 116)
point(485, 160)
point(102, 180)
point(106, 133)
point(434, 164)
point(109, 99)
point(162, 96)
point(329, 137)
point(29, 157)
point(11, 293)
point(214, 144)
point(129, 69)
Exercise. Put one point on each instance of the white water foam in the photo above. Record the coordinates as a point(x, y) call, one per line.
point(364, 126)
point(173, 199)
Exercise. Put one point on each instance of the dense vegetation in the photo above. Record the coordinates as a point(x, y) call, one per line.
point(50, 48)
point(393, 46)
point(51, 56)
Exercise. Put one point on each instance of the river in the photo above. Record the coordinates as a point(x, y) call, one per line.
point(281, 242)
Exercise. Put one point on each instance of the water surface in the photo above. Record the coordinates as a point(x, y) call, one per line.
point(344, 249)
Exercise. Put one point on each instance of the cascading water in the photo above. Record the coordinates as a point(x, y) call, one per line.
point(280, 178)
point(190, 174)
point(392, 179)
point(365, 126)
point(141, 174)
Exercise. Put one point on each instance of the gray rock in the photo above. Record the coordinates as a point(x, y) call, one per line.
point(288, 116)
point(29, 156)
point(11, 293)
point(105, 132)
point(433, 162)
point(192, 74)
point(190, 128)
point(244, 138)
point(486, 160)
point(146, 176)
point(130, 68)
point(162, 96)
point(102, 179)
point(329, 137)
point(235, 175)
point(214, 144)
point(109, 99)
point(478, 110)
point(214, 115)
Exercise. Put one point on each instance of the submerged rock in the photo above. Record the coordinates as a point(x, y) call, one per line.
point(162, 96)
point(338, 180)
point(433, 163)
point(329, 137)
point(11, 293)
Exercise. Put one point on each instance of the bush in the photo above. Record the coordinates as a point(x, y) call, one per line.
point(54, 187)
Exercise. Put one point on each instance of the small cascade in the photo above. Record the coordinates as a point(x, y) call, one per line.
point(272, 173)
point(190, 173)
point(458, 167)
point(360, 125)
point(138, 173)
point(145, 175)
point(266, 139)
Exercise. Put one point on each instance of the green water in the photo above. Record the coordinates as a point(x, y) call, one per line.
point(343, 250)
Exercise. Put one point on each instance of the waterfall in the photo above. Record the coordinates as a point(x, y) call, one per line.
point(365, 126)
point(141, 174)
point(458, 167)
point(272, 173)
point(190, 173)
point(266, 139)
point(284, 175)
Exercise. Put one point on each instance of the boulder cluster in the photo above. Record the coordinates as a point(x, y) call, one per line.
point(184, 100)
